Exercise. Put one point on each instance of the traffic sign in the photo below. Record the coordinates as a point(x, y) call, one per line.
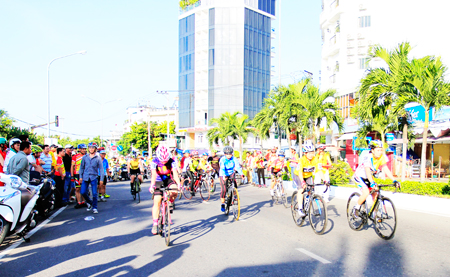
point(119, 147)
point(113, 148)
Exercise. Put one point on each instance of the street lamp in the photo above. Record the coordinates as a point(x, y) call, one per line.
point(101, 104)
point(48, 87)
point(166, 93)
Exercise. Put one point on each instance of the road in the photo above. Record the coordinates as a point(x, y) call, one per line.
point(205, 242)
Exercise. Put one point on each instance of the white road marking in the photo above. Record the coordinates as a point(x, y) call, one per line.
point(314, 256)
point(16, 244)
point(204, 202)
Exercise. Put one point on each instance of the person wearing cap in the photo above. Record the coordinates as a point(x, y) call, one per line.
point(91, 165)
point(54, 156)
point(3, 146)
point(184, 163)
point(67, 161)
point(14, 148)
point(74, 172)
point(277, 167)
point(33, 159)
point(102, 187)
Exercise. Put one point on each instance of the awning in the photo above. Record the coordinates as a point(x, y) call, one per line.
point(395, 141)
point(445, 140)
point(347, 136)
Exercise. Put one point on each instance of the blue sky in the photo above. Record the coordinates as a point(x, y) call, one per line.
point(132, 49)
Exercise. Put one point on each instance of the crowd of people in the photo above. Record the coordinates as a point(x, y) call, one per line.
point(74, 170)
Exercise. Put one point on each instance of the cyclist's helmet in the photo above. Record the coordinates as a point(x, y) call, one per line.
point(228, 150)
point(186, 151)
point(375, 144)
point(93, 144)
point(281, 153)
point(2, 141)
point(205, 154)
point(81, 146)
point(134, 154)
point(101, 148)
point(194, 153)
point(308, 148)
point(14, 141)
point(163, 154)
point(35, 149)
point(321, 146)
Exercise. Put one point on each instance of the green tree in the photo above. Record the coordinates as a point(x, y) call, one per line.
point(185, 3)
point(241, 128)
point(5, 123)
point(222, 130)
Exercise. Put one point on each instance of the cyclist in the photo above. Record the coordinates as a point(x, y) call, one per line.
point(371, 163)
point(196, 166)
point(305, 171)
point(260, 169)
point(323, 165)
point(164, 172)
point(214, 162)
point(228, 165)
point(277, 165)
point(135, 168)
point(184, 163)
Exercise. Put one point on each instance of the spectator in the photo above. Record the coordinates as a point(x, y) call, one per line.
point(19, 165)
point(67, 161)
point(60, 174)
point(102, 187)
point(33, 159)
point(75, 170)
point(14, 148)
point(91, 165)
point(46, 159)
point(3, 146)
point(54, 155)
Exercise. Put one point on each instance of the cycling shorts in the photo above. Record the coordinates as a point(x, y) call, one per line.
point(104, 180)
point(135, 171)
point(361, 182)
point(162, 184)
point(77, 178)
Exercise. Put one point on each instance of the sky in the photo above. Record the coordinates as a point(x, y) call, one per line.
point(132, 52)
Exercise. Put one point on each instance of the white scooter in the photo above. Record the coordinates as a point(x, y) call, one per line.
point(17, 202)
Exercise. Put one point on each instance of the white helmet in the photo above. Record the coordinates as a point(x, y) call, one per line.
point(14, 141)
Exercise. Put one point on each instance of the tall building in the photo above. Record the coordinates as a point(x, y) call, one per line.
point(350, 27)
point(224, 62)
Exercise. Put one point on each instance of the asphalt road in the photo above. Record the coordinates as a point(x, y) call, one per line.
point(205, 242)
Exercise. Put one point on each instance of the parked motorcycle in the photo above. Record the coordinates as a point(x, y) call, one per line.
point(17, 202)
point(124, 173)
point(47, 194)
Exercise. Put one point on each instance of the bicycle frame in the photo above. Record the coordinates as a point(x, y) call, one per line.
point(376, 201)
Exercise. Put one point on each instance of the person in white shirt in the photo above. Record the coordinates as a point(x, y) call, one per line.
point(14, 148)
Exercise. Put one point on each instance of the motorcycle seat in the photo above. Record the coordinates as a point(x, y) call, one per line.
point(27, 194)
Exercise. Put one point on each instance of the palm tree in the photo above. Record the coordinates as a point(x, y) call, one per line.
point(423, 83)
point(316, 108)
point(379, 90)
point(222, 131)
point(241, 128)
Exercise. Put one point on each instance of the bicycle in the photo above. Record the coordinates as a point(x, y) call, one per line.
point(199, 185)
point(164, 218)
point(210, 180)
point(279, 194)
point(136, 188)
point(232, 201)
point(382, 213)
point(313, 206)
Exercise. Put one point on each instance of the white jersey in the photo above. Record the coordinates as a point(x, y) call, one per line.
point(7, 158)
point(368, 160)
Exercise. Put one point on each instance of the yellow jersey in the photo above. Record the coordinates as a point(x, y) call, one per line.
point(134, 164)
point(306, 167)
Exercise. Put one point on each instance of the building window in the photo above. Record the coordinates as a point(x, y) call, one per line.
point(363, 63)
point(364, 21)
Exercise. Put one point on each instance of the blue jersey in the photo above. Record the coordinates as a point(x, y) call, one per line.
point(228, 166)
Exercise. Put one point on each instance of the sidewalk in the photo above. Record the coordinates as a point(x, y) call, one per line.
point(418, 203)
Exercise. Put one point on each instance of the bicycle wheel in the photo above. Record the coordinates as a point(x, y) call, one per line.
point(134, 189)
point(204, 191)
point(297, 204)
point(385, 218)
point(318, 216)
point(355, 223)
point(167, 224)
point(187, 190)
point(228, 202)
point(235, 204)
point(160, 221)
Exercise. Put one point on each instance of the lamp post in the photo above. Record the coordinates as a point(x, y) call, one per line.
point(168, 111)
point(48, 87)
point(101, 104)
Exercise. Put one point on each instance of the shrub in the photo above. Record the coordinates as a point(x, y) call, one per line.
point(416, 187)
point(340, 173)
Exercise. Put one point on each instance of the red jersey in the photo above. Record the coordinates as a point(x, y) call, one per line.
point(59, 165)
point(3, 153)
point(76, 160)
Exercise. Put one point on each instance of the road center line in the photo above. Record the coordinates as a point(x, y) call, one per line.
point(32, 232)
point(314, 256)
